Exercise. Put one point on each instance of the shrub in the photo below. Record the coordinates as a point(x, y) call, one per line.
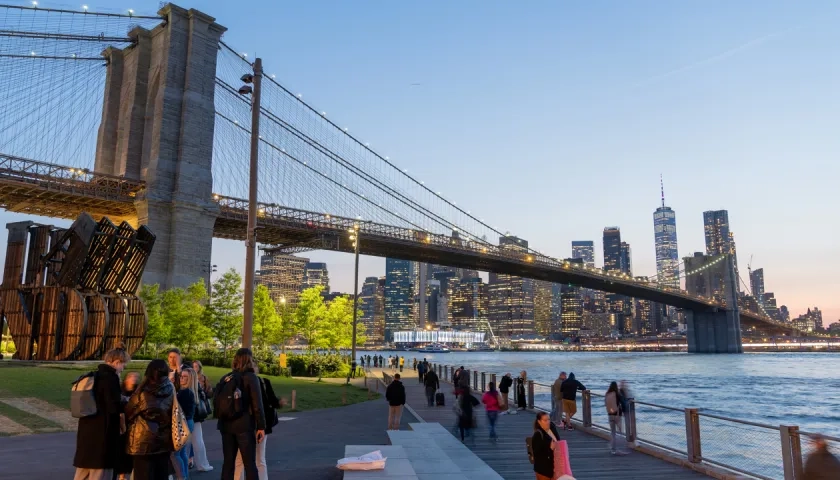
point(314, 365)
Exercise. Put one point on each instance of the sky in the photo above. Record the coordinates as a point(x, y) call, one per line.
point(555, 119)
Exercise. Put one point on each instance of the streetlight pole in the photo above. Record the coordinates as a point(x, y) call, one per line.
point(251, 240)
point(356, 241)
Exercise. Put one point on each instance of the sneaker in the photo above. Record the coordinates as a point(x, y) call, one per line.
point(623, 452)
point(612, 452)
point(208, 468)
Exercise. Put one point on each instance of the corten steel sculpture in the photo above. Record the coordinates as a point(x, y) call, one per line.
point(71, 294)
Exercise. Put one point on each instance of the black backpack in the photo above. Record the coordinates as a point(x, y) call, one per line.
point(227, 398)
point(271, 417)
point(530, 448)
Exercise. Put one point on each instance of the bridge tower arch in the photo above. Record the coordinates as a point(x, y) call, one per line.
point(713, 330)
point(157, 126)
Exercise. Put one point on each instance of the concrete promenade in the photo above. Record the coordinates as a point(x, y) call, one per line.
point(305, 448)
point(589, 455)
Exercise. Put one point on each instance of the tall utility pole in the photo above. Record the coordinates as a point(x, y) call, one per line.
point(355, 238)
point(251, 240)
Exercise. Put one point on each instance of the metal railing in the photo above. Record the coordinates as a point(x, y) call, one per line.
point(752, 449)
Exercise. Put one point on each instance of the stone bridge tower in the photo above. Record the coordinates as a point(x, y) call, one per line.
point(715, 330)
point(157, 126)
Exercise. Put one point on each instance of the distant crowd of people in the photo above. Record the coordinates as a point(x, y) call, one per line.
point(136, 424)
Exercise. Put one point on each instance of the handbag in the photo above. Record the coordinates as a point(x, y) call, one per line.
point(180, 427)
point(201, 412)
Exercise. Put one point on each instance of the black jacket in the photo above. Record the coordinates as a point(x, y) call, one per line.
point(97, 439)
point(187, 402)
point(431, 380)
point(466, 403)
point(253, 418)
point(149, 417)
point(270, 402)
point(395, 393)
point(543, 454)
point(570, 387)
point(505, 384)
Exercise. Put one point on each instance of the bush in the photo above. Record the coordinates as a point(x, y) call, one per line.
point(313, 365)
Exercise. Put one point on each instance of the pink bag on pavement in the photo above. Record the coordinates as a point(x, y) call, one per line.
point(562, 467)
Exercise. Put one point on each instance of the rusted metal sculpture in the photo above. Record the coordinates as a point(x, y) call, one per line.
point(71, 294)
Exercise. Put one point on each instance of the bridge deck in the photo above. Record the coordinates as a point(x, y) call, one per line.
point(589, 455)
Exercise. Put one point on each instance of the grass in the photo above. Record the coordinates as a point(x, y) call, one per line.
point(33, 422)
point(51, 383)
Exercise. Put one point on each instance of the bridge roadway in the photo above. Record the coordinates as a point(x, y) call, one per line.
point(39, 188)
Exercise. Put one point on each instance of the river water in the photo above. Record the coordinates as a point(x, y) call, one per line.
point(800, 389)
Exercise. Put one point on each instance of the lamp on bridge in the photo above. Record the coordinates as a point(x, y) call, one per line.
point(354, 237)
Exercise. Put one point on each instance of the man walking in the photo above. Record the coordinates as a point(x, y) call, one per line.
point(395, 394)
point(432, 385)
point(421, 370)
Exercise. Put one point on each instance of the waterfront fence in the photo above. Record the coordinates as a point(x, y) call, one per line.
point(753, 449)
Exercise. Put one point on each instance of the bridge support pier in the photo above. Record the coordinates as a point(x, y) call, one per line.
point(714, 332)
point(157, 126)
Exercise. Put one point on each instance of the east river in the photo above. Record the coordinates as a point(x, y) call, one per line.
point(800, 389)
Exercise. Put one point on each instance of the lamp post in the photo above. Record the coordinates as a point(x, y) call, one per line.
point(211, 269)
point(251, 238)
point(354, 236)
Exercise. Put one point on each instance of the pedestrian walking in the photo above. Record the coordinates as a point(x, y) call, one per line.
point(402, 363)
point(415, 364)
point(432, 384)
point(98, 435)
point(203, 411)
point(504, 389)
point(395, 395)
point(464, 411)
point(270, 404)
point(239, 408)
point(548, 455)
point(149, 417)
point(490, 399)
point(557, 399)
point(821, 464)
point(421, 370)
point(569, 389)
point(612, 401)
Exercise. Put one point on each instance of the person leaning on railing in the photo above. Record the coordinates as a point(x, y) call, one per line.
point(821, 464)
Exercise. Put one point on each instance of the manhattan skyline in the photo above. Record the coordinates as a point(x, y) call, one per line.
point(556, 121)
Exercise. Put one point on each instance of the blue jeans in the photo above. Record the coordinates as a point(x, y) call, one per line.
point(183, 455)
point(492, 416)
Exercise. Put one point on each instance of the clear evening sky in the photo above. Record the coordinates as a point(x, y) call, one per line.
point(555, 119)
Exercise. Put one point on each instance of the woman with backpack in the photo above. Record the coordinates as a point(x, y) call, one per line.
point(149, 417)
point(202, 412)
point(270, 403)
point(614, 402)
point(238, 406)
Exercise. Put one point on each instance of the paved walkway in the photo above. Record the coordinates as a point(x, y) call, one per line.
point(305, 448)
point(589, 455)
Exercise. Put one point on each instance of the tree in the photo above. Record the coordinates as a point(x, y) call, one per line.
point(224, 317)
point(267, 323)
point(157, 333)
point(184, 313)
point(309, 315)
point(337, 329)
point(288, 328)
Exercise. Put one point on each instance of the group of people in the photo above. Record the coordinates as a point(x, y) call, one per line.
point(131, 432)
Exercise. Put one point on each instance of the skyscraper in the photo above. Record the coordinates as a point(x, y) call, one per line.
point(542, 307)
point(399, 297)
point(371, 305)
point(757, 285)
point(626, 259)
point(511, 305)
point(665, 241)
point(282, 274)
point(315, 273)
point(585, 250)
point(571, 313)
point(468, 304)
point(719, 238)
point(612, 249)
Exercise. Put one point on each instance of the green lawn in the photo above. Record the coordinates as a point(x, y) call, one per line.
point(51, 383)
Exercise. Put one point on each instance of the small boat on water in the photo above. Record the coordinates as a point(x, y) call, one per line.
point(481, 348)
point(434, 348)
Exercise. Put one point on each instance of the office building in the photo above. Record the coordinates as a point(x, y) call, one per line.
point(468, 305)
point(399, 296)
point(542, 308)
point(283, 275)
point(372, 306)
point(571, 316)
point(665, 241)
point(757, 285)
point(810, 321)
point(770, 306)
point(617, 259)
point(784, 313)
point(612, 249)
point(600, 324)
point(315, 273)
point(649, 318)
point(719, 238)
point(584, 250)
point(626, 259)
point(511, 298)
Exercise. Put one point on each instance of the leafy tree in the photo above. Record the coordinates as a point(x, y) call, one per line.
point(337, 329)
point(157, 333)
point(309, 315)
point(267, 323)
point(224, 317)
point(288, 327)
point(185, 314)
